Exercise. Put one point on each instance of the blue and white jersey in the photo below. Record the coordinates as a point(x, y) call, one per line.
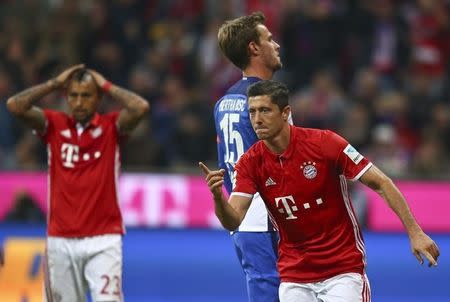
point(235, 135)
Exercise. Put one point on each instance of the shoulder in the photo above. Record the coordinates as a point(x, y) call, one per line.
point(55, 116)
point(254, 154)
point(311, 135)
point(317, 135)
point(109, 118)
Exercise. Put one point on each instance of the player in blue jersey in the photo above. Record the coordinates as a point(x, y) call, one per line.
point(249, 45)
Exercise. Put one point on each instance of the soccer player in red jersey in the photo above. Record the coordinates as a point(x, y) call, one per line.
point(85, 227)
point(302, 176)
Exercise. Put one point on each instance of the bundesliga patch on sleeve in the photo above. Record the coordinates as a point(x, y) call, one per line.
point(353, 154)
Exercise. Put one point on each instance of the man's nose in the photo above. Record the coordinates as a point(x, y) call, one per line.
point(257, 118)
point(78, 101)
point(277, 46)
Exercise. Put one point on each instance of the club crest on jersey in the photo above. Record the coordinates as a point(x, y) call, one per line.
point(309, 169)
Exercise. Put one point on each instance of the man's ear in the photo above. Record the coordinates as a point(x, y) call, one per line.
point(286, 112)
point(253, 48)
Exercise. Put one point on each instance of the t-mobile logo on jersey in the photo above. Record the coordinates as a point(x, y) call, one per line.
point(286, 206)
point(69, 154)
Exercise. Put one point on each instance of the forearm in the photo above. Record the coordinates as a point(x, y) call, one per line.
point(132, 102)
point(226, 214)
point(22, 102)
point(398, 204)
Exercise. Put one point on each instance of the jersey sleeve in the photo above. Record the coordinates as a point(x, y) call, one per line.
point(50, 121)
point(114, 117)
point(245, 183)
point(347, 160)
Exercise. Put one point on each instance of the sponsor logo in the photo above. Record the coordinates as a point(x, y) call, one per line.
point(270, 182)
point(353, 154)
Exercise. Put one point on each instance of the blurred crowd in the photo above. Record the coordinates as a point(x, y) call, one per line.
point(376, 72)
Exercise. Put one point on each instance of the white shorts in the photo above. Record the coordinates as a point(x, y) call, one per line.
point(350, 287)
point(75, 265)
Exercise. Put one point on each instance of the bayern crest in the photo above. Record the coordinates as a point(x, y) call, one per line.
point(309, 169)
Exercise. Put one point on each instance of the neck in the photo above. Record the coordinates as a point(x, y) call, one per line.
point(85, 121)
point(258, 71)
point(279, 142)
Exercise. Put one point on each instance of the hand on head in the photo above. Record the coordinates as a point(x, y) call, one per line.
point(62, 78)
point(99, 79)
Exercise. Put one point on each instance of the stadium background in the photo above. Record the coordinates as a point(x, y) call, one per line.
point(377, 72)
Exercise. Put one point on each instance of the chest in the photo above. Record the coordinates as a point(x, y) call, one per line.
point(301, 185)
point(73, 147)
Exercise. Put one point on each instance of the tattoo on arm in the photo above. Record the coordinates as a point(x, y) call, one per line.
point(130, 100)
point(135, 108)
point(23, 101)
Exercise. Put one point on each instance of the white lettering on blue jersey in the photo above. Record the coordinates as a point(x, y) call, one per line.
point(235, 135)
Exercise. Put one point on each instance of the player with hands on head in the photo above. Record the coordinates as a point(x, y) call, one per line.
point(85, 226)
point(302, 174)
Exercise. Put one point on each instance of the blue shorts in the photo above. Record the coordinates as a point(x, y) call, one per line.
point(257, 253)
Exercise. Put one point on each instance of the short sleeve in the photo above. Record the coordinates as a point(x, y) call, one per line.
point(113, 118)
point(347, 160)
point(50, 118)
point(245, 183)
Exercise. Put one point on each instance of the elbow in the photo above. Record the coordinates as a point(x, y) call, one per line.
point(383, 184)
point(11, 106)
point(145, 107)
point(230, 226)
point(229, 223)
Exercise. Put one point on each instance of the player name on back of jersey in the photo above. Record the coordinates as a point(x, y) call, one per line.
point(236, 103)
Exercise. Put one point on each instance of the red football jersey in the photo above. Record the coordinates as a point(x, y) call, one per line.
point(83, 174)
point(305, 191)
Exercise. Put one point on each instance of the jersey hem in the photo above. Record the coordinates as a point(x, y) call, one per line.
point(84, 235)
point(314, 280)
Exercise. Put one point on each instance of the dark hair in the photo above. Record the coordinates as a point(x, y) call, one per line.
point(80, 75)
point(278, 92)
point(235, 35)
point(83, 75)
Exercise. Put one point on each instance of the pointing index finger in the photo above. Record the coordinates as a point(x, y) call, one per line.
point(204, 168)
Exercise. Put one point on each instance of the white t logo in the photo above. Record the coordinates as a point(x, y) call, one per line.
point(69, 154)
point(288, 209)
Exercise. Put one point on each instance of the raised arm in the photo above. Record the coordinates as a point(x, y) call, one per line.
point(231, 212)
point(134, 106)
point(421, 243)
point(21, 104)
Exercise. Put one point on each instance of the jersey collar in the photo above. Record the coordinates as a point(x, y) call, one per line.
point(292, 143)
point(290, 149)
point(95, 121)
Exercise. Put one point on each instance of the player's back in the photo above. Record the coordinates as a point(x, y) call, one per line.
point(235, 135)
